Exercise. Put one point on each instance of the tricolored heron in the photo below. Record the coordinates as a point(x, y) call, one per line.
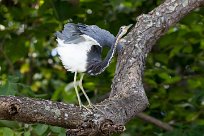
point(80, 47)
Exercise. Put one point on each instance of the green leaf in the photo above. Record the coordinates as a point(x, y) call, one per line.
point(40, 129)
point(194, 83)
point(202, 44)
point(10, 87)
point(27, 133)
point(10, 124)
point(8, 132)
point(175, 51)
point(56, 129)
point(192, 116)
point(187, 49)
point(62, 134)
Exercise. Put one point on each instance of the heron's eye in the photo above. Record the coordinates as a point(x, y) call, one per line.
point(121, 28)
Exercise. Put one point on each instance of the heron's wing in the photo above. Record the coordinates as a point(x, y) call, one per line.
point(102, 36)
point(75, 40)
point(70, 34)
point(94, 53)
point(82, 27)
point(88, 29)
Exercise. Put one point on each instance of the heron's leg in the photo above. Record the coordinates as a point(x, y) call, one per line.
point(81, 87)
point(77, 92)
point(87, 98)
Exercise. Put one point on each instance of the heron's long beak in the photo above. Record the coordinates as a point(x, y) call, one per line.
point(123, 30)
point(128, 27)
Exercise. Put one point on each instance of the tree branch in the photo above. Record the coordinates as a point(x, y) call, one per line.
point(127, 97)
point(30, 110)
point(145, 117)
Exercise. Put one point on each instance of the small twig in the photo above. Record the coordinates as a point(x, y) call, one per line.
point(155, 121)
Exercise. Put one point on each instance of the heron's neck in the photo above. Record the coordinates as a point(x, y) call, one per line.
point(111, 52)
point(100, 67)
point(110, 55)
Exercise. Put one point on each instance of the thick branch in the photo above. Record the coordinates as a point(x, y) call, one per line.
point(41, 111)
point(145, 117)
point(127, 96)
point(127, 83)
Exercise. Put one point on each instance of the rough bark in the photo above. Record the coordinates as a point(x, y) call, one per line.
point(127, 97)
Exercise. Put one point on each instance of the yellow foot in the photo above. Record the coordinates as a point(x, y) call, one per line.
point(92, 106)
point(88, 109)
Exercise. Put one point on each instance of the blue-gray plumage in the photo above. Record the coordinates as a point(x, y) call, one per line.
point(72, 34)
point(80, 47)
point(103, 37)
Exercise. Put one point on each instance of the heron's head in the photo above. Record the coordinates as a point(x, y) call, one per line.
point(123, 30)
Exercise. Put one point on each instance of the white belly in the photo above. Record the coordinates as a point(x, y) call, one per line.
point(74, 56)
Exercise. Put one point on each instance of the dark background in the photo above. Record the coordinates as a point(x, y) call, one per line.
point(173, 78)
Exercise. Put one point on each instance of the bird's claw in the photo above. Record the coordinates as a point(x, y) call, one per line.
point(90, 108)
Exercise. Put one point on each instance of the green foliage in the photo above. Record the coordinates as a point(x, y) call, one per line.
point(12, 129)
point(173, 77)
